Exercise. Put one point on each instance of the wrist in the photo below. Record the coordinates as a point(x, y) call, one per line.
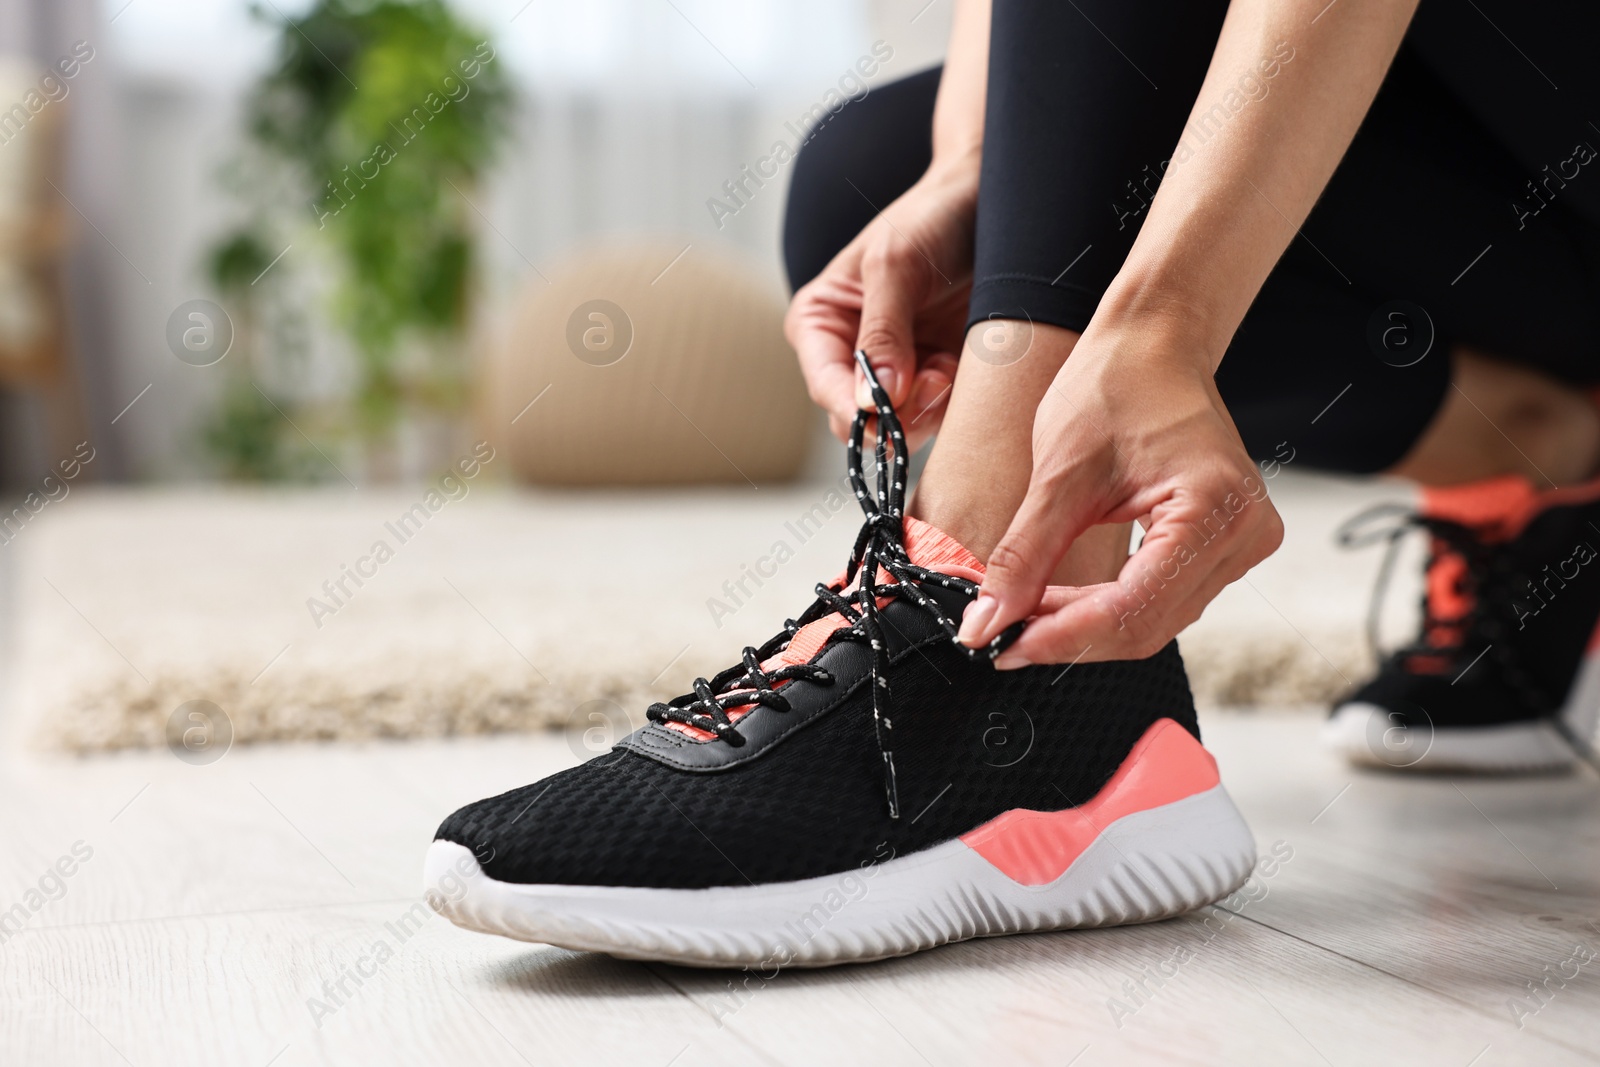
point(1152, 311)
point(955, 171)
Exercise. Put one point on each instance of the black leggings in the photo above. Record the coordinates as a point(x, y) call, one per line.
point(1467, 210)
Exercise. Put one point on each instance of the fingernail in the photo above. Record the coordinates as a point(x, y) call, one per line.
point(975, 621)
point(889, 378)
point(1010, 661)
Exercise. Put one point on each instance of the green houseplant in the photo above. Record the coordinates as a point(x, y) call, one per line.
point(386, 113)
point(246, 433)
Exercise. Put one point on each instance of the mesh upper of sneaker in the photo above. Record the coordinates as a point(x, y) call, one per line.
point(972, 743)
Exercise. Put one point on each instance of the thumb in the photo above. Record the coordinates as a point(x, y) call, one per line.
point(890, 283)
point(1053, 515)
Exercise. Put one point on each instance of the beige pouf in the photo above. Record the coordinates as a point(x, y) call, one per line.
point(645, 364)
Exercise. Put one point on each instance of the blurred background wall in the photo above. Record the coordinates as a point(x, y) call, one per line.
point(629, 115)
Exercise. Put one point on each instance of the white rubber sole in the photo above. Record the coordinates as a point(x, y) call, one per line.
point(1149, 865)
point(1365, 735)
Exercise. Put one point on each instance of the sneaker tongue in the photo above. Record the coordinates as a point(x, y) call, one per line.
point(928, 546)
point(1497, 506)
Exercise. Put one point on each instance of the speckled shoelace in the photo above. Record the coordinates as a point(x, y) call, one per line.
point(881, 544)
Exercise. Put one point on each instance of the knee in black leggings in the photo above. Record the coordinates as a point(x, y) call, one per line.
point(853, 165)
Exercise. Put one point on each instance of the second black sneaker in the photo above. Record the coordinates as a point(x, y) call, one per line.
point(861, 786)
point(1503, 676)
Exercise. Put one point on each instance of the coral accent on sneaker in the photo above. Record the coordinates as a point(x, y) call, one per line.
point(928, 546)
point(1037, 847)
point(1445, 596)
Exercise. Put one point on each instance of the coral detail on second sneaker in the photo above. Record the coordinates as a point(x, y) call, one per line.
point(1496, 510)
point(1500, 508)
point(1037, 847)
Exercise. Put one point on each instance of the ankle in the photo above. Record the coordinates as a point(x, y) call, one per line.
point(979, 520)
point(978, 472)
point(1499, 419)
point(949, 498)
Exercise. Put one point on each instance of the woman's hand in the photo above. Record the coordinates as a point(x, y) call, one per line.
point(1131, 429)
point(899, 290)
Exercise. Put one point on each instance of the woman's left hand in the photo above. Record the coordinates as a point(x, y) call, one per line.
point(1131, 429)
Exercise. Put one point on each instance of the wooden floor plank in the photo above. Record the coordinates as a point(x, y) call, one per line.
point(1468, 887)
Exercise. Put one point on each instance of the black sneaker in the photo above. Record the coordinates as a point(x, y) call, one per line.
point(1503, 676)
point(784, 814)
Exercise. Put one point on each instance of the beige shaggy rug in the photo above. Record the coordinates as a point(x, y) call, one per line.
point(393, 613)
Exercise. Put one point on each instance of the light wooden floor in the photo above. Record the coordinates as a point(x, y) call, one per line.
point(218, 899)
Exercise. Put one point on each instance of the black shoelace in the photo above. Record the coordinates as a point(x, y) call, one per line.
point(880, 544)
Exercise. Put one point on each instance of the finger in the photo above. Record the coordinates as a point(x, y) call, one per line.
point(821, 325)
point(1112, 622)
point(829, 368)
point(831, 383)
point(1046, 641)
point(1182, 564)
point(1062, 501)
point(893, 280)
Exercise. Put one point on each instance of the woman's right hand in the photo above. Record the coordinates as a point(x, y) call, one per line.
point(899, 291)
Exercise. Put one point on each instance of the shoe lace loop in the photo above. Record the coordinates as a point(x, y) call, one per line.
point(879, 546)
point(708, 709)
